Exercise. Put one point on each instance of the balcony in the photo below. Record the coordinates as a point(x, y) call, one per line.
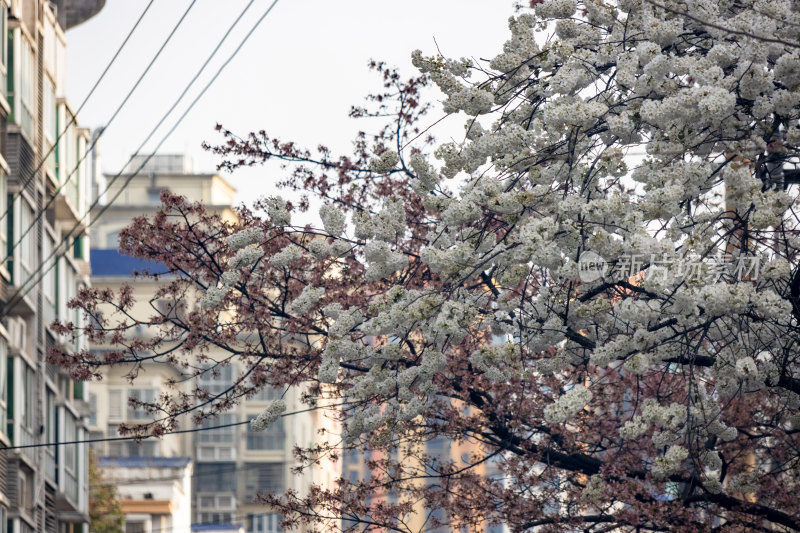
point(78, 11)
point(66, 206)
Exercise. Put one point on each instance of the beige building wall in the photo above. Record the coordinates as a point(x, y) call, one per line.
point(230, 465)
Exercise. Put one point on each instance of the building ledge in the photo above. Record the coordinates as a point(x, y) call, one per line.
point(146, 506)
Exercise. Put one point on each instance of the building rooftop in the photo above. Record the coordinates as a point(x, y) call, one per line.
point(144, 462)
point(110, 262)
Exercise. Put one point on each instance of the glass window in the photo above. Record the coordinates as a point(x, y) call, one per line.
point(135, 527)
point(49, 111)
point(49, 282)
point(264, 523)
point(27, 87)
point(3, 379)
point(271, 438)
point(218, 435)
point(115, 404)
point(27, 412)
point(27, 249)
point(3, 207)
point(51, 416)
point(217, 384)
point(267, 394)
point(141, 395)
point(70, 435)
point(220, 475)
point(92, 409)
point(263, 478)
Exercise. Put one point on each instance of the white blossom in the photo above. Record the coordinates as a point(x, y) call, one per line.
point(213, 297)
point(385, 163)
point(277, 212)
point(333, 219)
point(268, 416)
point(245, 238)
point(307, 299)
point(568, 405)
point(286, 256)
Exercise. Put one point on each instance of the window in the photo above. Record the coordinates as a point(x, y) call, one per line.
point(70, 451)
point(92, 409)
point(27, 412)
point(135, 527)
point(264, 523)
point(129, 448)
point(271, 438)
point(50, 132)
point(216, 518)
point(222, 475)
point(3, 52)
point(216, 501)
point(27, 250)
point(3, 207)
point(140, 395)
point(115, 404)
point(267, 394)
point(3, 380)
point(25, 491)
point(217, 384)
point(27, 95)
point(49, 282)
point(112, 240)
point(51, 418)
point(218, 435)
point(49, 124)
point(263, 478)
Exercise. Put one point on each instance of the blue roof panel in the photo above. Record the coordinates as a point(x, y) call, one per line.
point(110, 262)
point(143, 462)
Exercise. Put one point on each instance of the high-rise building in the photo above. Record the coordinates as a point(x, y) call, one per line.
point(230, 465)
point(43, 194)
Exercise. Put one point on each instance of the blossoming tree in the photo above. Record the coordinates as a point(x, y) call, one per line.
point(448, 293)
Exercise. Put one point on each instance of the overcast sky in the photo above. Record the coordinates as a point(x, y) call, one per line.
point(296, 77)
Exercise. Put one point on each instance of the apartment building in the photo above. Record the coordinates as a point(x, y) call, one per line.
point(230, 465)
point(42, 198)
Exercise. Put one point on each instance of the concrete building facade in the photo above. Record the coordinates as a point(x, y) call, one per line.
point(230, 465)
point(43, 193)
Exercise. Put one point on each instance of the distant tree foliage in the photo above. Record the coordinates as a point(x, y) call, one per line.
point(105, 512)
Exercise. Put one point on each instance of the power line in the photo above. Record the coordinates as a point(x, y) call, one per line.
point(43, 210)
point(175, 432)
point(21, 293)
point(74, 116)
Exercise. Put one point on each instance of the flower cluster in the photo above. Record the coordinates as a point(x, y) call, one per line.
point(307, 299)
point(245, 238)
point(333, 219)
point(568, 405)
point(268, 416)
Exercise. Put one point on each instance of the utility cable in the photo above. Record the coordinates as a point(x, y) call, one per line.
point(74, 115)
point(22, 292)
point(43, 210)
point(175, 432)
